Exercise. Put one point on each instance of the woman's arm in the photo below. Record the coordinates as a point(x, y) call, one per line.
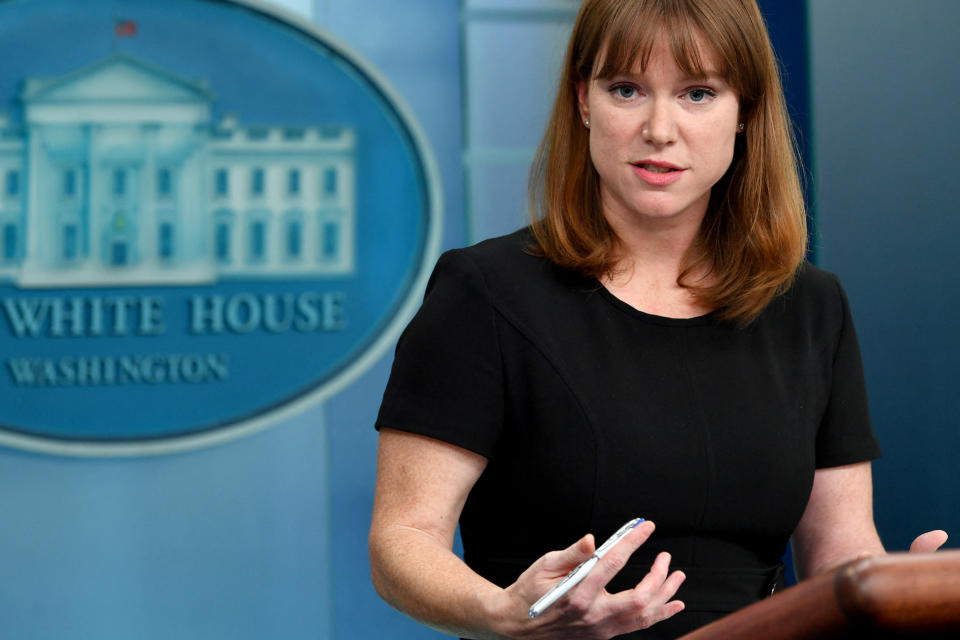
point(422, 485)
point(837, 525)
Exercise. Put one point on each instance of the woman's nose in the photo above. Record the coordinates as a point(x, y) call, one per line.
point(660, 126)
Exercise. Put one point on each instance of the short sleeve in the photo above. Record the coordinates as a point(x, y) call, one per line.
point(846, 435)
point(446, 381)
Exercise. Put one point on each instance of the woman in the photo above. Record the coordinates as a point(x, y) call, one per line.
point(652, 346)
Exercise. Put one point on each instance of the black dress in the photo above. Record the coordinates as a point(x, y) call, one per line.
point(591, 412)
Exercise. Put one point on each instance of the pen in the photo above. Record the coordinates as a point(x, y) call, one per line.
point(580, 572)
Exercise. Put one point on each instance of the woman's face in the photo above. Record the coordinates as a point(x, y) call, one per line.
point(659, 139)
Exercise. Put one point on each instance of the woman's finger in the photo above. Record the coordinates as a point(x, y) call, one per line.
point(657, 574)
point(582, 597)
point(615, 559)
point(671, 585)
point(929, 541)
point(562, 561)
point(656, 588)
point(650, 601)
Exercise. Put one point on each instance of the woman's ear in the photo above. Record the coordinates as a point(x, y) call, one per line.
point(582, 103)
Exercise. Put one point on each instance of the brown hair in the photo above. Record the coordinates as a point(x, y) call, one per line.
point(753, 236)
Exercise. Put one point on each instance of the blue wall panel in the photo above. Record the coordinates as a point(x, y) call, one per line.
point(886, 96)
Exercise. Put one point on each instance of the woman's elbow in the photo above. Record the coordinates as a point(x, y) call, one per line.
point(378, 571)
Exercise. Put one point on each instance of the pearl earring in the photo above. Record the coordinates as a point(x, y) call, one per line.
point(586, 122)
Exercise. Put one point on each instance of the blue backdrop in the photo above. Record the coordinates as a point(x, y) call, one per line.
point(266, 536)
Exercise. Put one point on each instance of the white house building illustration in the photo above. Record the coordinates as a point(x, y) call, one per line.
point(118, 175)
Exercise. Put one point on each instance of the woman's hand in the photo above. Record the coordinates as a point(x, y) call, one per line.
point(588, 610)
point(929, 541)
point(924, 543)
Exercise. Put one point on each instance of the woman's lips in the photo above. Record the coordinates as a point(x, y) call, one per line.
point(658, 174)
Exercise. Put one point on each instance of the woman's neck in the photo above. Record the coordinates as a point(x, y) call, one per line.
point(653, 255)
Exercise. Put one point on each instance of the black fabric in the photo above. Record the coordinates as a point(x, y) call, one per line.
point(591, 412)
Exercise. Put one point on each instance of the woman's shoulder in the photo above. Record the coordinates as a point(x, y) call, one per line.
point(813, 278)
point(815, 297)
point(511, 276)
point(503, 252)
point(510, 264)
point(815, 285)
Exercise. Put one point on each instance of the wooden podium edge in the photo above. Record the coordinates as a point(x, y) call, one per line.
point(896, 593)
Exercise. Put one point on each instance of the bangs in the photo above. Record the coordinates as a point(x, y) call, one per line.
point(635, 28)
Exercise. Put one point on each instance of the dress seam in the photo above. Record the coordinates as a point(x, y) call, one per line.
point(552, 360)
point(706, 444)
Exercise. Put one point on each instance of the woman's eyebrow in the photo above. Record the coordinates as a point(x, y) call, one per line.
point(704, 75)
point(708, 75)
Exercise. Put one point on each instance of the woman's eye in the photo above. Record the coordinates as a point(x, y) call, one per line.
point(624, 91)
point(700, 95)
